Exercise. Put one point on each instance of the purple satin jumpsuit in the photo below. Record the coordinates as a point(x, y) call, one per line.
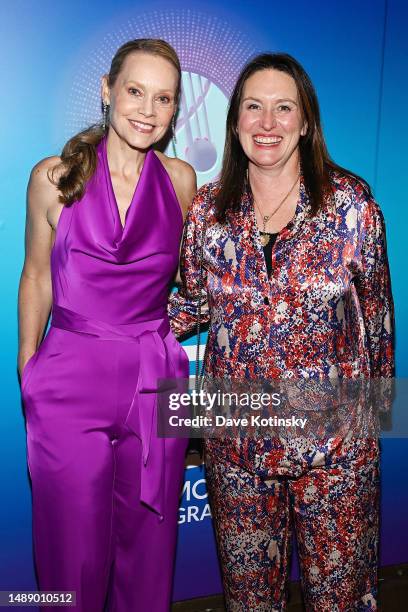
point(105, 487)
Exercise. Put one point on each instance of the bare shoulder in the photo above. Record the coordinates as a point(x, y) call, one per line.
point(183, 177)
point(40, 187)
point(43, 197)
point(176, 167)
point(41, 170)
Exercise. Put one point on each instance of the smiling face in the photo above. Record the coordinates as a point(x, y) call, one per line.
point(142, 99)
point(270, 120)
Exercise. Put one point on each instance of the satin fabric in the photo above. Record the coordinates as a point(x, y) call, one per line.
point(326, 311)
point(105, 487)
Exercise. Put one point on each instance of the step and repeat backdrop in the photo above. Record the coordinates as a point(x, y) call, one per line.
point(53, 55)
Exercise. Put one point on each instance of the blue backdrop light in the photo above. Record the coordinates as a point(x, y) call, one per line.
point(53, 54)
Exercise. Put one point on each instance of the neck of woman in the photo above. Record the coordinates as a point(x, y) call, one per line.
point(124, 160)
point(269, 183)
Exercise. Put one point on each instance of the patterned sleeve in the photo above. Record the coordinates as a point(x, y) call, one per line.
point(183, 304)
point(373, 286)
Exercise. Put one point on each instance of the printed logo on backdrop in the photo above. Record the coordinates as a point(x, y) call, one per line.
point(212, 53)
point(194, 506)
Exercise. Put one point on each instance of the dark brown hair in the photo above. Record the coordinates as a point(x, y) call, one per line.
point(317, 166)
point(78, 157)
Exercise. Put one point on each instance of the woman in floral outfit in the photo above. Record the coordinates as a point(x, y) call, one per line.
point(295, 284)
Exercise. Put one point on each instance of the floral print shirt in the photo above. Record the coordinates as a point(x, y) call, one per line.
point(325, 311)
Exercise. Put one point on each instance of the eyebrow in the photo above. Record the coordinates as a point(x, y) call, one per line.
point(280, 100)
point(131, 82)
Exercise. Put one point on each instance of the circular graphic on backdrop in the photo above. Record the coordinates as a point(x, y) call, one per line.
point(211, 53)
point(200, 128)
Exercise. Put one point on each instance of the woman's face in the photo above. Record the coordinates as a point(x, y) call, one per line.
point(270, 121)
point(142, 100)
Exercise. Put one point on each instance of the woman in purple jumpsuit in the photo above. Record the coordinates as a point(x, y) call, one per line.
point(105, 487)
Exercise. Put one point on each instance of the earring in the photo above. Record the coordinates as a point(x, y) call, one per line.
point(105, 110)
point(173, 128)
point(173, 136)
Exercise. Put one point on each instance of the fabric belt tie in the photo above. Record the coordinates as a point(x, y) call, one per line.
point(154, 364)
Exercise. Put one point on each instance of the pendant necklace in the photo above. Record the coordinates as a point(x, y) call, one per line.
point(264, 236)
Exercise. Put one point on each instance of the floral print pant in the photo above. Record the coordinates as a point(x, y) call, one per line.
point(334, 512)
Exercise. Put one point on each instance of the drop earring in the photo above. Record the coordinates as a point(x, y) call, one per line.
point(173, 136)
point(173, 127)
point(105, 109)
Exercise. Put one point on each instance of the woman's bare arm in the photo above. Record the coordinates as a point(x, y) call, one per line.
point(186, 188)
point(35, 291)
point(184, 181)
point(185, 185)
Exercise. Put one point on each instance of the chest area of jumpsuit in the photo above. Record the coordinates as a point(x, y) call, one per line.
point(148, 243)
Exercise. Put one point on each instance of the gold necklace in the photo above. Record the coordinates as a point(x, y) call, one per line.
point(264, 236)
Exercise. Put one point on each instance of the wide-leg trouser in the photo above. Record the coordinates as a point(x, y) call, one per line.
point(334, 511)
point(91, 533)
